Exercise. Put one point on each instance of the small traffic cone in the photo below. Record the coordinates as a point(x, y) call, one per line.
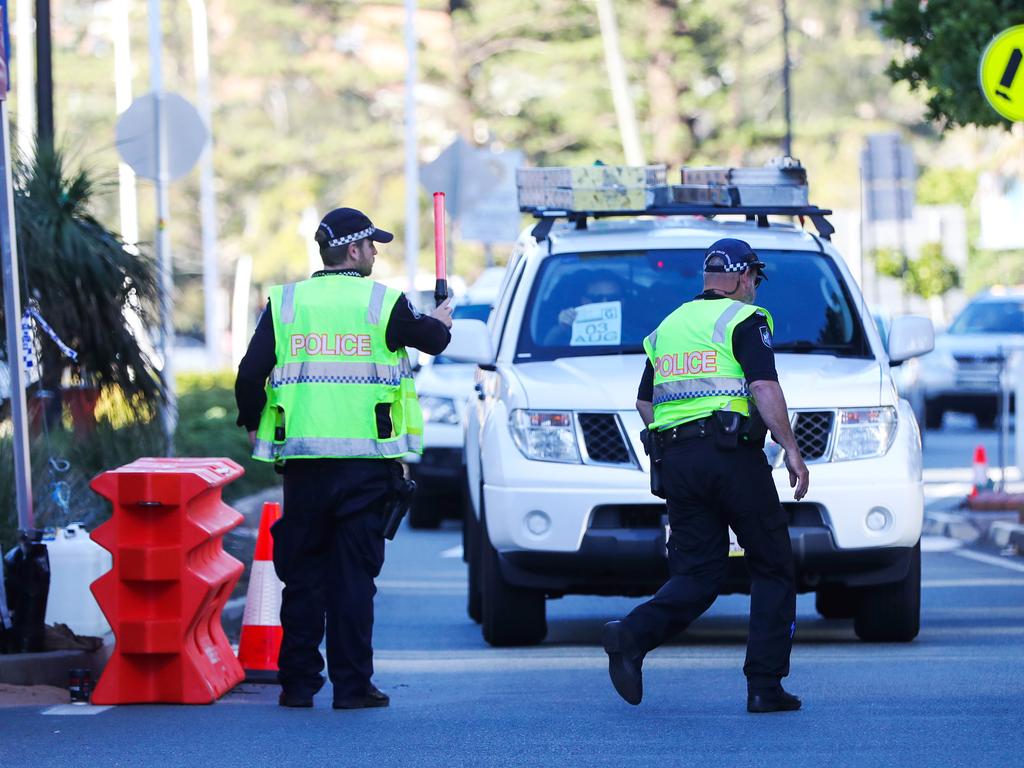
point(981, 481)
point(260, 642)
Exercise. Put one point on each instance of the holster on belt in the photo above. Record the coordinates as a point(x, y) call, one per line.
point(653, 448)
point(403, 491)
point(754, 431)
point(726, 429)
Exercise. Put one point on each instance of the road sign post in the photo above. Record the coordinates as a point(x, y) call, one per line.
point(12, 307)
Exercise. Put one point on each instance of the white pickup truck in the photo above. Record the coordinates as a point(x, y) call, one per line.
point(558, 492)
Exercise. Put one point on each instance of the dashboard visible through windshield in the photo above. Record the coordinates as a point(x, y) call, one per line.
point(606, 303)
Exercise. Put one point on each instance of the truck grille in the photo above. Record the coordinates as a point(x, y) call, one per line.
point(603, 439)
point(812, 430)
point(977, 372)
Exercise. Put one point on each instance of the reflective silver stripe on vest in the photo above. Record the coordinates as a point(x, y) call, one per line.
point(723, 322)
point(338, 447)
point(340, 372)
point(688, 389)
point(287, 303)
point(377, 295)
point(652, 339)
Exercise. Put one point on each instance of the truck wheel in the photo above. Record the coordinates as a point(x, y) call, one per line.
point(511, 615)
point(932, 415)
point(471, 551)
point(425, 514)
point(986, 418)
point(891, 613)
point(836, 601)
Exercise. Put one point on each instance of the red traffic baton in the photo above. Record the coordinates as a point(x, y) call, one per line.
point(440, 257)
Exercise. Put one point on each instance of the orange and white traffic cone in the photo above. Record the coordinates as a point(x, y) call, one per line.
point(260, 642)
point(981, 481)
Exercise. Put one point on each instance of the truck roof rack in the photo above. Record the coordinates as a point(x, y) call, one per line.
point(600, 191)
point(760, 214)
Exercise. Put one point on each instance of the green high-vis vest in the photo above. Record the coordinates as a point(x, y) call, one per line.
point(695, 370)
point(333, 370)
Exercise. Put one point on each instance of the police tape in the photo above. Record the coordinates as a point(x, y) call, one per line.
point(31, 314)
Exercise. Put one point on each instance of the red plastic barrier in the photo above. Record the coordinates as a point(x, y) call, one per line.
point(170, 580)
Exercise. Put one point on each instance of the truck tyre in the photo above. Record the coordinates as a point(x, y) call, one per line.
point(986, 417)
point(425, 514)
point(836, 601)
point(932, 415)
point(511, 615)
point(891, 613)
point(471, 551)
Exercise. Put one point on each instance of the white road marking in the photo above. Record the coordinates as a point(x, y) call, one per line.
point(939, 544)
point(75, 709)
point(1002, 562)
point(422, 585)
point(453, 552)
point(936, 583)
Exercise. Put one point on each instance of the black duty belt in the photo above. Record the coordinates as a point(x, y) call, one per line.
point(691, 430)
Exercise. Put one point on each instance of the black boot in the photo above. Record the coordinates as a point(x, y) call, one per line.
point(624, 661)
point(772, 699)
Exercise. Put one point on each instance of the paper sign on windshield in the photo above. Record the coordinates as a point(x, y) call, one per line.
point(597, 324)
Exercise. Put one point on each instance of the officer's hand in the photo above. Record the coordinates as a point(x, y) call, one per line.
point(567, 316)
point(444, 313)
point(799, 477)
point(252, 439)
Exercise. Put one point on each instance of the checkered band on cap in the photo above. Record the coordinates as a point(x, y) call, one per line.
point(728, 265)
point(348, 238)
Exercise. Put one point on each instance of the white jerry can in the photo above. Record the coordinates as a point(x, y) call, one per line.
point(76, 561)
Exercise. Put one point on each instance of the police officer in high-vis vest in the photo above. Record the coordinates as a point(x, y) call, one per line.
point(709, 364)
point(326, 393)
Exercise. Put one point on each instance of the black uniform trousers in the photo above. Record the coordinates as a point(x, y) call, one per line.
point(708, 489)
point(328, 549)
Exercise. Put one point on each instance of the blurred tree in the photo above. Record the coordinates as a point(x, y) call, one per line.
point(931, 274)
point(98, 295)
point(944, 40)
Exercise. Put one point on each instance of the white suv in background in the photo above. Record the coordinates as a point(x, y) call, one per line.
point(963, 373)
point(558, 492)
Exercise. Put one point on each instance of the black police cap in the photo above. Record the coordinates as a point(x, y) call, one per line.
point(346, 225)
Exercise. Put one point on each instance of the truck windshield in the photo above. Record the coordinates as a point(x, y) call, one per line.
point(990, 317)
point(606, 303)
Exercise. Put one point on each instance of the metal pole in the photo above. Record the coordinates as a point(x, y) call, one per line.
point(126, 189)
point(207, 196)
point(163, 244)
point(1004, 414)
point(623, 102)
point(24, 51)
point(1018, 404)
point(412, 169)
point(240, 308)
point(787, 143)
point(44, 73)
point(12, 319)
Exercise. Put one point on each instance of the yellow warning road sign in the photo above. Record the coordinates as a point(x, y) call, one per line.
point(1002, 75)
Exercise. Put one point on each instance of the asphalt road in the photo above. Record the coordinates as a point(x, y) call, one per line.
point(953, 697)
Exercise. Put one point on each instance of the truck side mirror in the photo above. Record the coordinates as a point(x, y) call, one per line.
point(910, 336)
point(471, 343)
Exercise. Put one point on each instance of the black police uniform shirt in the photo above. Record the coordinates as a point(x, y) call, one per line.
point(406, 328)
point(751, 345)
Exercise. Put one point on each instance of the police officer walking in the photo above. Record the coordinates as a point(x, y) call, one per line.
point(708, 363)
point(326, 392)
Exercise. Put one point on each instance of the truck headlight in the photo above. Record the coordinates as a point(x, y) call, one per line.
point(545, 435)
point(439, 410)
point(864, 432)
